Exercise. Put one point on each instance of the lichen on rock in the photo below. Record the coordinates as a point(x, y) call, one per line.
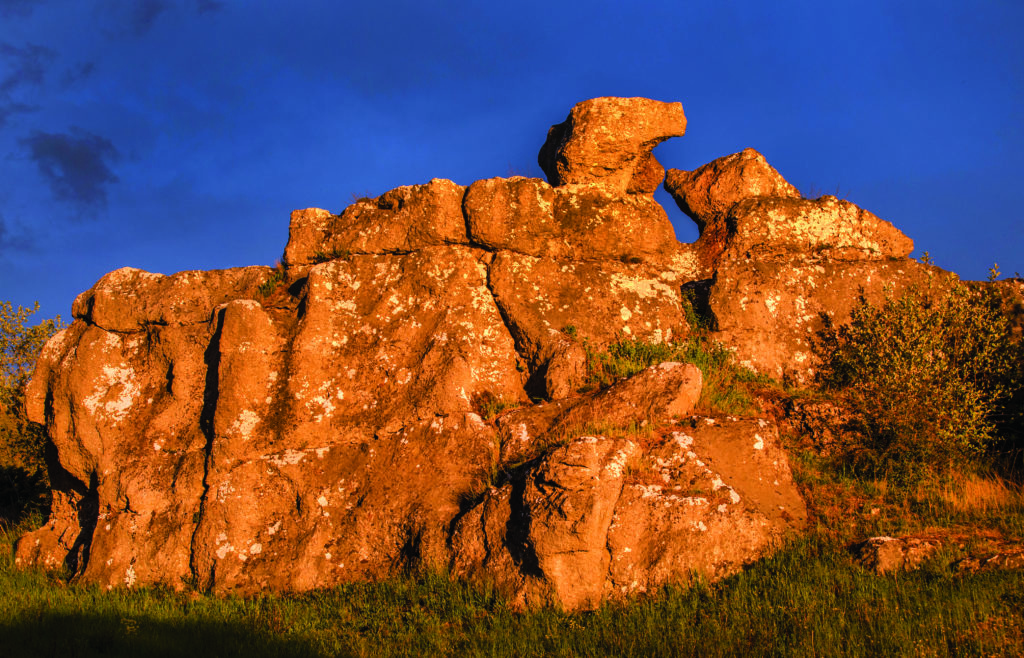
point(252, 429)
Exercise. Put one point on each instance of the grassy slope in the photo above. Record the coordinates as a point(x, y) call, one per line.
point(809, 599)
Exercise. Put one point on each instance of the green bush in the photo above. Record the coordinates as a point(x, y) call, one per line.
point(926, 374)
point(22, 443)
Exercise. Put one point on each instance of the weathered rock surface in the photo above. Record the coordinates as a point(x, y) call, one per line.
point(987, 551)
point(707, 193)
point(212, 432)
point(405, 219)
point(608, 142)
point(603, 516)
point(773, 262)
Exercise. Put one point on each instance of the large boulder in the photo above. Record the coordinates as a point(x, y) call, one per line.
point(774, 262)
point(745, 209)
point(604, 517)
point(402, 220)
point(528, 216)
point(608, 142)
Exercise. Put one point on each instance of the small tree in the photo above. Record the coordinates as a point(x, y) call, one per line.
point(22, 443)
point(925, 374)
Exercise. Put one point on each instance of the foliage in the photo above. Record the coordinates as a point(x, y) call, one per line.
point(334, 254)
point(22, 443)
point(926, 374)
point(490, 405)
point(727, 384)
point(275, 279)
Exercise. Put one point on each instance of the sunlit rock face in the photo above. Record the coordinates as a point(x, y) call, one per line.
point(251, 429)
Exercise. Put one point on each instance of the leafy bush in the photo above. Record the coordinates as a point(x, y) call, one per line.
point(926, 374)
point(22, 443)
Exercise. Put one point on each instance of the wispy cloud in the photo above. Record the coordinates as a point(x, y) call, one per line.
point(79, 72)
point(21, 8)
point(76, 165)
point(206, 6)
point(145, 13)
point(29, 66)
point(11, 240)
point(26, 70)
point(9, 108)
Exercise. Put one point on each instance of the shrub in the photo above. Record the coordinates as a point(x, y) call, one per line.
point(22, 443)
point(925, 374)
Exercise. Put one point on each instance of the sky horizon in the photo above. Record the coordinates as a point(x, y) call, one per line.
point(173, 135)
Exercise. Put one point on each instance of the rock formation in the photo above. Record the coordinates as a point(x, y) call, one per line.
point(211, 430)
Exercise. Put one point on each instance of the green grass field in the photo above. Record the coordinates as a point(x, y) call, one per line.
point(810, 599)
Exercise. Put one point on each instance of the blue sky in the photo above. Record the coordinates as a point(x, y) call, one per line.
point(179, 134)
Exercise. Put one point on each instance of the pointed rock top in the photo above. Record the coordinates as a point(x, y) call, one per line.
point(708, 192)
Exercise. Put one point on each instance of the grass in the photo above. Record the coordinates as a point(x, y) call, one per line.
point(807, 600)
point(489, 406)
point(334, 254)
point(850, 507)
point(267, 288)
point(728, 386)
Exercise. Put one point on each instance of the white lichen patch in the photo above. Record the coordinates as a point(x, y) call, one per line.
point(684, 441)
point(616, 466)
point(288, 458)
point(256, 549)
point(223, 547)
point(114, 392)
point(244, 424)
point(642, 287)
point(758, 442)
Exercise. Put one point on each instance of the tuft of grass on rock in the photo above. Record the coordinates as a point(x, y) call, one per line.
point(267, 288)
point(728, 386)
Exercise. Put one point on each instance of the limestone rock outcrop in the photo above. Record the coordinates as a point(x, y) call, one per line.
point(330, 421)
point(771, 262)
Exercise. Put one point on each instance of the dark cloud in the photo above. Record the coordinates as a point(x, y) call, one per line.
point(9, 108)
point(21, 8)
point(77, 73)
point(75, 165)
point(145, 14)
point(10, 240)
point(29, 68)
point(205, 6)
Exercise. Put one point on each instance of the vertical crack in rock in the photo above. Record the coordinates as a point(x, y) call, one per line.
point(211, 357)
point(534, 384)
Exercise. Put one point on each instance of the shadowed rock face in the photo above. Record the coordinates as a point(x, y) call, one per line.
point(213, 430)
